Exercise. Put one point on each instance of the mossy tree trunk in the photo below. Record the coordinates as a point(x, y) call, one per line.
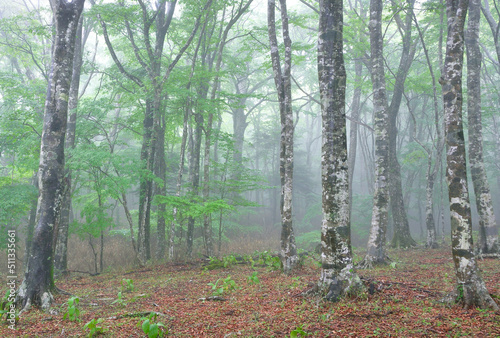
point(470, 284)
point(38, 284)
point(337, 269)
point(61, 249)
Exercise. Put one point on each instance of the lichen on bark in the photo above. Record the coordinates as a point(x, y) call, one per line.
point(376, 252)
point(470, 285)
point(338, 276)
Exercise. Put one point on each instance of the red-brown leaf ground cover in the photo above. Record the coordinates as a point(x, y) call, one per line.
point(405, 302)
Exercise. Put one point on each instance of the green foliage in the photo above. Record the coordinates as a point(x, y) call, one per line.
point(225, 262)
point(227, 285)
point(120, 300)
point(95, 327)
point(266, 258)
point(127, 285)
point(151, 327)
point(253, 278)
point(15, 202)
point(193, 206)
point(361, 218)
point(298, 332)
point(72, 313)
point(309, 240)
point(5, 307)
point(313, 214)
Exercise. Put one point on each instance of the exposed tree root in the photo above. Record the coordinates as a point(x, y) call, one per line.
point(471, 295)
point(369, 262)
point(40, 297)
point(345, 283)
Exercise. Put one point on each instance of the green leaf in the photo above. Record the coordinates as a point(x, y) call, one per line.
point(153, 331)
point(145, 326)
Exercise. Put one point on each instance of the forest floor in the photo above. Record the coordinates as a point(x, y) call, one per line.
point(405, 302)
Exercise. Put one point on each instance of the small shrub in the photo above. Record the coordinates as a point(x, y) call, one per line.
point(127, 285)
point(95, 327)
point(5, 308)
point(298, 332)
point(151, 327)
point(253, 279)
point(120, 300)
point(72, 313)
point(228, 284)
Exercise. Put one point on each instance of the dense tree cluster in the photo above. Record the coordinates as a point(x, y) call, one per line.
point(184, 126)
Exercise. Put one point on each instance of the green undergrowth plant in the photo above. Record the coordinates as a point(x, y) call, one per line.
point(269, 260)
point(253, 278)
point(120, 300)
point(227, 284)
point(127, 285)
point(298, 332)
point(151, 327)
point(95, 327)
point(72, 313)
point(226, 261)
point(5, 308)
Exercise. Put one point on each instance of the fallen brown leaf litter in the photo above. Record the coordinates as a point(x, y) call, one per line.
point(403, 300)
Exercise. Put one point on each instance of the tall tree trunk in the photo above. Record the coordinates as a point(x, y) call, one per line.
point(61, 250)
point(402, 237)
point(431, 241)
point(470, 284)
point(282, 79)
point(180, 172)
point(377, 240)
point(194, 178)
point(487, 224)
point(353, 131)
point(38, 284)
point(31, 225)
point(146, 184)
point(337, 269)
point(162, 187)
point(207, 224)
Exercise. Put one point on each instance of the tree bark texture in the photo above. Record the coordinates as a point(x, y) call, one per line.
point(431, 241)
point(61, 250)
point(194, 178)
point(402, 237)
point(470, 285)
point(337, 269)
point(161, 172)
point(31, 224)
point(38, 283)
point(146, 184)
point(488, 230)
point(353, 130)
point(282, 79)
point(377, 240)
